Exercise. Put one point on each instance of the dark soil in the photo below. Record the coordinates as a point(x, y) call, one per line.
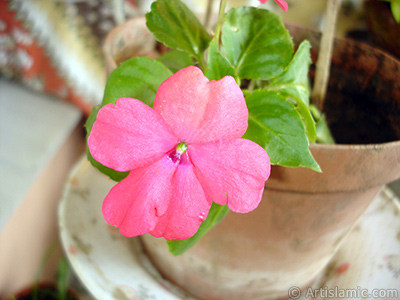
point(363, 99)
point(357, 115)
point(44, 292)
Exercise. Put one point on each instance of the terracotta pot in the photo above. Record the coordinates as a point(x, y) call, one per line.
point(382, 27)
point(304, 215)
point(127, 40)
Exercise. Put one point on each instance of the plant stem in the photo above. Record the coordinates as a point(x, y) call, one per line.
point(62, 281)
point(221, 14)
point(325, 54)
point(252, 85)
point(201, 61)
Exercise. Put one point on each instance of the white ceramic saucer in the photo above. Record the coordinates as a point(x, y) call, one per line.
point(111, 266)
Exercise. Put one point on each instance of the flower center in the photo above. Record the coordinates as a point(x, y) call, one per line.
point(176, 154)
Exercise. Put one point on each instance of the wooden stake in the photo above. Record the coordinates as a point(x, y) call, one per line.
point(325, 54)
point(118, 11)
point(208, 14)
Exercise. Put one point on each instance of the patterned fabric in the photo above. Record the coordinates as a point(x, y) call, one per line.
point(55, 46)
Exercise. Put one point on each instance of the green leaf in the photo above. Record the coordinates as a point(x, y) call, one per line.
point(295, 78)
point(324, 135)
point(218, 66)
point(395, 7)
point(306, 117)
point(63, 279)
point(92, 118)
point(176, 60)
point(293, 84)
point(173, 24)
point(215, 215)
point(256, 43)
point(137, 78)
point(276, 126)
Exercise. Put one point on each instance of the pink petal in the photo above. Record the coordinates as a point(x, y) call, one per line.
point(283, 4)
point(201, 111)
point(136, 203)
point(231, 172)
point(188, 207)
point(129, 135)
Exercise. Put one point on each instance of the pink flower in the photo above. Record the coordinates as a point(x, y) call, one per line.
point(182, 155)
point(283, 4)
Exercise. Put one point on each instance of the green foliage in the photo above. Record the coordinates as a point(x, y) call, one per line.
point(63, 279)
point(137, 78)
point(324, 135)
point(176, 60)
point(218, 66)
point(276, 126)
point(173, 24)
point(293, 84)
point(256, 43)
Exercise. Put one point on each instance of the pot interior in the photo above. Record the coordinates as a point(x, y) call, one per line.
point(362, 105)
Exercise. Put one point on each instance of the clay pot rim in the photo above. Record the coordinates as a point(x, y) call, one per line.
point(357, 147)
point(340, 39)
point(108, 42)
point(117, 28)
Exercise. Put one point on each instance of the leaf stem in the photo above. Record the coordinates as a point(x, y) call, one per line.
point(252, 85)
point(201, 61)
point(221, 14)
point(325, 54)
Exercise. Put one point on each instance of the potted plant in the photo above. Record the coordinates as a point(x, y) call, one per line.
point(47, 290)
point(303, 215)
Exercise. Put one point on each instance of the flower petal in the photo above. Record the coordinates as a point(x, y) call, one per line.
point(129, 135)
point(136, 203)
point(231, 172)
point(283, 4)
point(188, 207)
point(201, 111)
